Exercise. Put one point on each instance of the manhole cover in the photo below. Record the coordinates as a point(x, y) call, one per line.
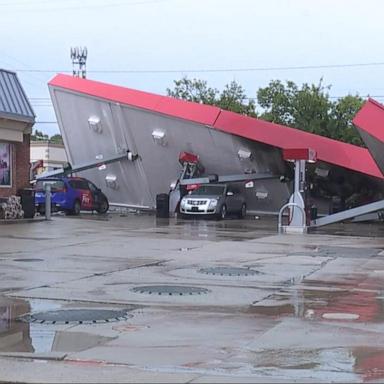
point(28, 260)
point(80, 316)
point(170, 290)
point(229, 271)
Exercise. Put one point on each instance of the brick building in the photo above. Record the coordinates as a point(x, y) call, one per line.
point(16, 121)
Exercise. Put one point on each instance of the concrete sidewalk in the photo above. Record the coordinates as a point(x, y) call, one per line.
point(269, 309)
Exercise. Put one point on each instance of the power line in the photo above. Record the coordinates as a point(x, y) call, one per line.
point(211, 70)
point(47, 103)
point(90, 7)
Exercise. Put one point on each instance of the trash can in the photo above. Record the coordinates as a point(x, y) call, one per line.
point(27, 202)
point(162, 205)
point(313, 212)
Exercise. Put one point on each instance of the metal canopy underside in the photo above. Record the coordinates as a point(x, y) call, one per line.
point(331, 151)
point(101, 119)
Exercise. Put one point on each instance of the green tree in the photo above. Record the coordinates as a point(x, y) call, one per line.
point(56, 139)
point(232, 98)
point(276, 100)
point(341, 126)
point(39, 136)
point(193, 90)
point(309, 108)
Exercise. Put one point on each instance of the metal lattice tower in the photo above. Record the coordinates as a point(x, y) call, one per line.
point(79, 61)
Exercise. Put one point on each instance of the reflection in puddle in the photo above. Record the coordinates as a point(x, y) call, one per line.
point(324, 365)
point(369, 362)
point(21, 336)
point(347, 303)
point(14, 335)
point(327, 303)
point(273, 310)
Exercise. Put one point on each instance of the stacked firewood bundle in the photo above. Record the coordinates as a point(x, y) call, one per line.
point(10, 208)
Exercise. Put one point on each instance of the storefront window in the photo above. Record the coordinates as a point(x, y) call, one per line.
point(5, 165)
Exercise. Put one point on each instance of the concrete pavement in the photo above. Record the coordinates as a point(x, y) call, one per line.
point(310, 310)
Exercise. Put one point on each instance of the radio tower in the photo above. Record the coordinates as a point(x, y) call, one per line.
point(79, 61)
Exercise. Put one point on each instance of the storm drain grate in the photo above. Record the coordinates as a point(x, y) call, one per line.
point(229, 271)
point(28, 260)
point(170, 290)
point(78, 316)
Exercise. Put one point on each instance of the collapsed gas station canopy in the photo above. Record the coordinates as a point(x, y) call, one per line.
point(330, 151)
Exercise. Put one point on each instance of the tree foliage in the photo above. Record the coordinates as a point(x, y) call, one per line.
point(308, 107)
point(194, 90)
point(56, 139)
point(232, 98)
point(40, 136)
point(342, 113)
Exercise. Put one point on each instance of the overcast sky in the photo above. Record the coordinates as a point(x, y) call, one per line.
point(192, 37)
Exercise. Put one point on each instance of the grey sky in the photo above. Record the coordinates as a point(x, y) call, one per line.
point(192, 35)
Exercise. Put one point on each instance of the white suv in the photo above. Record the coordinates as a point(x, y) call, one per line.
point(214, 199)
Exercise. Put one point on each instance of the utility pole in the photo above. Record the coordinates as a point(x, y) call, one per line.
point(79, 61)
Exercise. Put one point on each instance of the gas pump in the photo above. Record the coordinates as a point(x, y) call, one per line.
point(297, 216)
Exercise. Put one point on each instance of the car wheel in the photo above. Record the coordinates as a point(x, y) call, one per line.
point(76, 208)
point(243, 211)
point(103, 207)
point(223, 212)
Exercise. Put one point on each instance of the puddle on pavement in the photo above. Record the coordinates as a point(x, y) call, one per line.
point(324, 304)
point(21, 336)
point(236, 230)
point(331, 364)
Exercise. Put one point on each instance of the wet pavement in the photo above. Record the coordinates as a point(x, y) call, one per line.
point(132, 298)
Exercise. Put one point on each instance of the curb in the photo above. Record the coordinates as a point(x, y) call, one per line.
point(21, 221)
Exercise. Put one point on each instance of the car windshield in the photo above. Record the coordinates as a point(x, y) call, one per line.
point(56, 185)
point(209, 190)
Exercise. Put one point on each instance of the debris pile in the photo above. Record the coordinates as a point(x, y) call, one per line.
point(10, 208)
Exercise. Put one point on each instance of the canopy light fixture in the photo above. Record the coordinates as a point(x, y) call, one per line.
point(95, 124)
point(322, 172)
point(244, 154)
point(111, 181)
point(262, 194)
point(159, 137)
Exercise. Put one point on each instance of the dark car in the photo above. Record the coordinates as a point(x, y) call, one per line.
point(71, 195)
point(214, 199)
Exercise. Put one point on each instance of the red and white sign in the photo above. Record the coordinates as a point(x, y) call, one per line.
point(308, 154)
